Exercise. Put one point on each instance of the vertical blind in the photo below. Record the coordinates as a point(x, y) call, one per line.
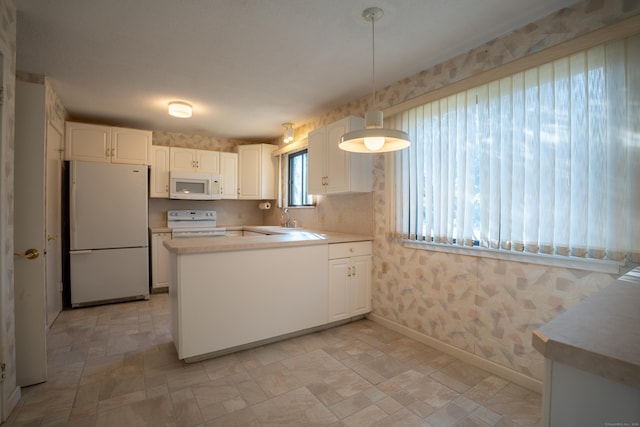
point(543, 161)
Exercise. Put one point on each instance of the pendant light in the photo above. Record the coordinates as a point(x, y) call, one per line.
point(374, 138)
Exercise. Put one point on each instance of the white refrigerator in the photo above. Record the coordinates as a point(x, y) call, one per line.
point(108, 232)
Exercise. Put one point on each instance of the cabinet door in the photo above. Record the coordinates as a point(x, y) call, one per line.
point(337, 159)
point(229, 172)
point(339, 289)
point(208, 161)
point(360, 285)
point(159, 186)
point(249, 172)
point(91, 143)
point(182, 160)
point(159, 261)
point(317, 158)
point(130, 146)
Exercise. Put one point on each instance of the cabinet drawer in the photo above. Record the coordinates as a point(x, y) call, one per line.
point(346, 250)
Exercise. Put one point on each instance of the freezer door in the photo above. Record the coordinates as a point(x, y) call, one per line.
point(108, 205)
point(109, 274)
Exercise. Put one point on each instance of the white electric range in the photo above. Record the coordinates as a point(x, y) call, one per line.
point(189, 224)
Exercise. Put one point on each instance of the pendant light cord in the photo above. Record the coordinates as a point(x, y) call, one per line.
point(373, 61)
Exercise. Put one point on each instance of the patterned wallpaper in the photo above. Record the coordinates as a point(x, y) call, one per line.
point(200, 142)
point(486, 307)
point(482, 306)
point(7, 144)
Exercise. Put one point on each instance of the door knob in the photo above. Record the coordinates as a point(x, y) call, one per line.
point(28, 254)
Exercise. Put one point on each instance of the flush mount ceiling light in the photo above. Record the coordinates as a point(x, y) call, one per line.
point(288, 132)
point(180, 109)
point(374, 138)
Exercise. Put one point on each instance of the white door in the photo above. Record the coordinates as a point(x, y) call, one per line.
point(317, 161)
point(360, 285)
point(339, 289)
point(249, 174)
point(91, 143)
point(159, 185)
point(108, 205)
point(229, 171)
point(337, 159)
point(182, 159)
point(29, 235)
point(53, 258)
point(208, 161)
point(130, 146)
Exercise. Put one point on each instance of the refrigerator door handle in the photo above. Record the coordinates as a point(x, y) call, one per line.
point(72, 206)
point(80, 252)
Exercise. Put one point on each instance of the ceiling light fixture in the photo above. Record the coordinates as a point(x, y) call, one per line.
point(288, 132)
point(180, 109)
point(374, 138)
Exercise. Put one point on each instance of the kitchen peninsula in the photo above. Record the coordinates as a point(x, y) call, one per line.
point(231, 293)
point(592, 354)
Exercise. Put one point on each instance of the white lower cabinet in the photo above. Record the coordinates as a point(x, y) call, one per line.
point(218, 303)
point(159, 261)
point(349, 280)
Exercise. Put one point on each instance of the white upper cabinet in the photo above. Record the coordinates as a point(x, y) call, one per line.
point(159, 181)
point(165, 159)
point(130, 146)
point(97, 143)
point(256, 172)
point(191, 160)
point(229, 172)
point(335, 171)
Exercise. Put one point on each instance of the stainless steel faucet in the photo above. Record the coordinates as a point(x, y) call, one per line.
point(287, 222)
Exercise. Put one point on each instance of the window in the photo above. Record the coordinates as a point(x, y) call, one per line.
point(545, 161)
point(298, 179)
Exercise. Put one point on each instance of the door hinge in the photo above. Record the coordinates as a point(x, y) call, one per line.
point(3, 371)
point(1, 95)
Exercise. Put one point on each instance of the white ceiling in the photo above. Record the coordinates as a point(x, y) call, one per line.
point(247, 66)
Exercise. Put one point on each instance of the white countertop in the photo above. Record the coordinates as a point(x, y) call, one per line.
point(279, 237)
point(601, 334)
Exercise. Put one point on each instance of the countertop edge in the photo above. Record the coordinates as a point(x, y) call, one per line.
point(595, 363)
point(279, 239)
point(582, 337)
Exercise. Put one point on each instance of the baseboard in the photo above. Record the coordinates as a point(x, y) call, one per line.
point(12, 402)
point(480, 362)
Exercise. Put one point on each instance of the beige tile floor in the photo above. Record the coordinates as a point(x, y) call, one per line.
point(115, 365)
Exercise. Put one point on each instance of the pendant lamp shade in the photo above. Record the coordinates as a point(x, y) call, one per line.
point(374, 138)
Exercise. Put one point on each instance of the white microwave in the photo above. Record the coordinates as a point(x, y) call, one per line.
point(195, 186)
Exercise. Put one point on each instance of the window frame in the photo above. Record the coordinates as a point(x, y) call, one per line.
point(592, 264)
point(287, 199)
